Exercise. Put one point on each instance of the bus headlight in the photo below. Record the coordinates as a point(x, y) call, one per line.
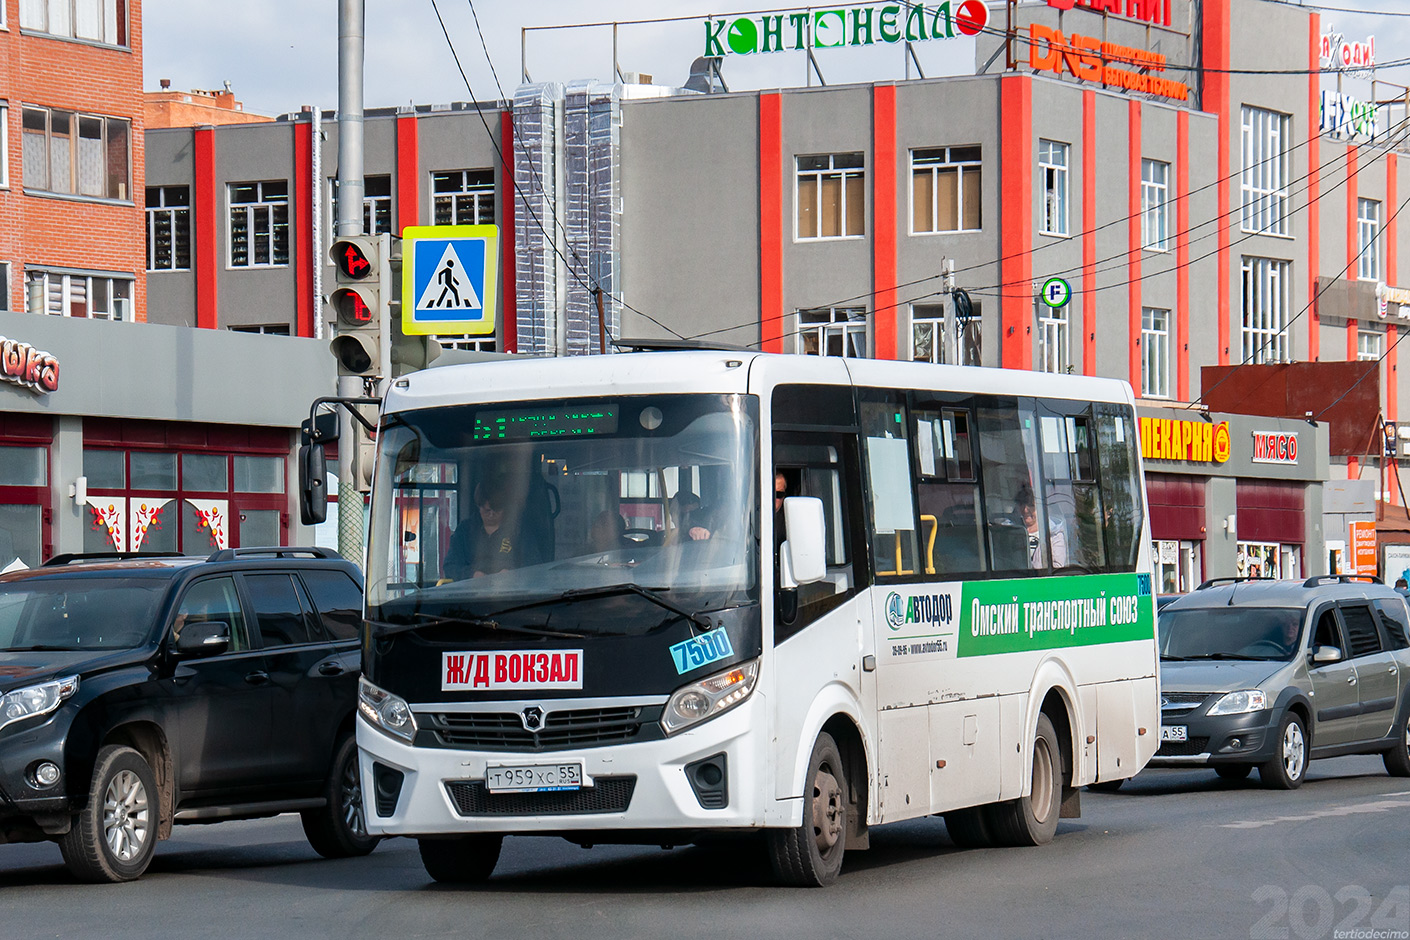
point(384, 711)
point(710, 696)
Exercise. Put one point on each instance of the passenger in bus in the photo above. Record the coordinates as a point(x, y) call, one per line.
point(781, 492)
point(488, 543)
point(1025, 508)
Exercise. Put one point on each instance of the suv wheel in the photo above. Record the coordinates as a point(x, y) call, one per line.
point(462, 860)
point(1397, 759)
point(113, 838)
point(338, 829)
point(1286, 768)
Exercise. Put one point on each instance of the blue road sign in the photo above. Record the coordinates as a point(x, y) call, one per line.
point(448, 279)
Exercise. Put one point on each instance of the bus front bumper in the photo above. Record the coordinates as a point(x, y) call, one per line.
point(428, 791)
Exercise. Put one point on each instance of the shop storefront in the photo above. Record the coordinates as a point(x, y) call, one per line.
point(1232, 495)
point(127, 437)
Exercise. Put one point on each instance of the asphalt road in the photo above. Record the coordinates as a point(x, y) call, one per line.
point(1174, 854)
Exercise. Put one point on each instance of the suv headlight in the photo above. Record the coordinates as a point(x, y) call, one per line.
point(35, 700)
point(384, 711)
point(1240, 703)
point(709, 697)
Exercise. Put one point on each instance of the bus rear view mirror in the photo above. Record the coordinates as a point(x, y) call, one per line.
point(313, 484)
point(803, 557)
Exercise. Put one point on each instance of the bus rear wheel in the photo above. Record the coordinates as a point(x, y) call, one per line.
point(1033, 819)
point(969, 828)
point(811, 855)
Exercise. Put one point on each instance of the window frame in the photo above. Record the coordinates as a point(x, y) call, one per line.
point(1055, 179)
point(370, 206)
point(4, 129)
point(1266, 341)
point(1370, 341)
point(1369, 239)
point(274, 225)
point(962, 169)
point(845, 327)
point(121, 25)
point(1155, 205)
point(175, 215)
point(1155, 353)
point(480, 192)
point(845, 175)
point(1266, 166)
point(6, 269)
point(67, 294)
point(1054, 328)
point(76, 119)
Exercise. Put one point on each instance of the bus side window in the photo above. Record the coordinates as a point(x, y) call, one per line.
point(892, 523)
point(1014, 511)
point(1120, 488)
point(952, 538)
point(1075, 538)
point(814, 465)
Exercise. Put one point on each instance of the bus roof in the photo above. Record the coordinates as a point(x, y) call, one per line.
point(727, 371)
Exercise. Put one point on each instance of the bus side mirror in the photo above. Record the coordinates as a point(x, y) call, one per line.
point(803, 557)
point(313, 484)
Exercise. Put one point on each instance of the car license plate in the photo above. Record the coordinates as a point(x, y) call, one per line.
point(1174, 733)
point(533, 778)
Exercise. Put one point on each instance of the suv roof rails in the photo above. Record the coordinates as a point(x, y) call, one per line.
point(672, 344)
point(68, 558)
point(1213, 581)
point(1319, 579)
point(275, 551)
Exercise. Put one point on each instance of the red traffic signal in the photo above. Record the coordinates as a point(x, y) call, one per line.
point(351, 260)
point(351, 308)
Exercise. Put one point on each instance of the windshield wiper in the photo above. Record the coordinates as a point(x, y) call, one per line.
point(616, 590)
point(471, 620)
point(1220, 656)
point(42, 648)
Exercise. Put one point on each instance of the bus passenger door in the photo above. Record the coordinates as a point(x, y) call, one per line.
point(822, 630)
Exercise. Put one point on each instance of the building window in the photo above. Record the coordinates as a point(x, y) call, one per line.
point(1054, 339)
point(1370, 341)
point(832, 198)
point(468, 343)
point(92, 20)
point(268, 329)
point(1155, 352)
point(940, 335)
point(463, 197)
point(259, 224)
point(945, 188)
point(376, 205)
point(1368, 231)
point(1266, 300)
point(168, 228)
point(4, 132)
point(4, 286)
point(76, 154)
point(1155, 195)
point(833, 331)
point(1265, 171)
point(74, 294)
point(1052, 166)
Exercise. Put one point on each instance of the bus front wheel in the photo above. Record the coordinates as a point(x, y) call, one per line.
point(1033, 819)
point(811, 855)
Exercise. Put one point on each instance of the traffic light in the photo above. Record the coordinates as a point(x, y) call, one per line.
point(360, 294)
point(408, 353)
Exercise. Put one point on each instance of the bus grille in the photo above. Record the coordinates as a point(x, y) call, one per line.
point(504, 731)
point(610, 795)
point(1183, 748)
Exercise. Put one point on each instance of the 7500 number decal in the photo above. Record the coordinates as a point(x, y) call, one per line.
point(701, 651)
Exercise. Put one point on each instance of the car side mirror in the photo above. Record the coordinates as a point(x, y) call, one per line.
point(803, 557)
point(1321, 655)
point(203, 638)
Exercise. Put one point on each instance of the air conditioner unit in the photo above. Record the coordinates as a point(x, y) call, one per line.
point(1405, 448)
point(122, 309)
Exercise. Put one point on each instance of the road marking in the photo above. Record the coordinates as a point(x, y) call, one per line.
point(1350, 809)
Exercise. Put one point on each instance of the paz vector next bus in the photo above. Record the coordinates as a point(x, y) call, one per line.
point(654, 597)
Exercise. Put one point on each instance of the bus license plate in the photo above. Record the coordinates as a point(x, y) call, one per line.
point(1174, 733)
point(533, 778)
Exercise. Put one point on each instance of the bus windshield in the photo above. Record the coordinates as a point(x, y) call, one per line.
point(584, 517)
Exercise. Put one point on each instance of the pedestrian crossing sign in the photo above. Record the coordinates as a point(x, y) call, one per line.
point(448, 275)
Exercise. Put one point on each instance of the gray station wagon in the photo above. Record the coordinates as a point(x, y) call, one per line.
point(1269, 674)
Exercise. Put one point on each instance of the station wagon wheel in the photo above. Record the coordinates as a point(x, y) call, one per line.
point(1397, 759)
point(339, 828)
point(1288, 765)
point(113, 838)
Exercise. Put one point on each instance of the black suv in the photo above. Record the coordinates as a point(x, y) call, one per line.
point(138, 691)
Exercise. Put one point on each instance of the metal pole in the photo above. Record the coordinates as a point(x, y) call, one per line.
point(351, 32)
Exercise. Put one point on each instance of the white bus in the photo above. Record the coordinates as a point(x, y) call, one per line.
point(651, 597)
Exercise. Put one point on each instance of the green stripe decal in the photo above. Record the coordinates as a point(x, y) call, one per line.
point(1047, 613)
